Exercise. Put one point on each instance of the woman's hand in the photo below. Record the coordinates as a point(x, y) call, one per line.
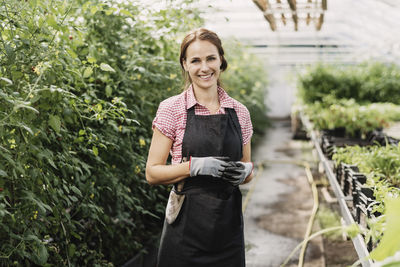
point(237, 172)
point(207, 166)
point(247, 158)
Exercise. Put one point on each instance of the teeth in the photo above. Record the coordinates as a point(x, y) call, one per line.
point(205, 76)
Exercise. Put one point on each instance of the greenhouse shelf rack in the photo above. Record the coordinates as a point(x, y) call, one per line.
point(358, 241)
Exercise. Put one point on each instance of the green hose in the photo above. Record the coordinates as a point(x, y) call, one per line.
point(314, 190)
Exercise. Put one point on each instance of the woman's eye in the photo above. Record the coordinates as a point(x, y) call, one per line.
point(195, 60)
point(211, 58)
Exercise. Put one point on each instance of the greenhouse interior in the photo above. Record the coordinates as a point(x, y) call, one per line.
point(88, 176)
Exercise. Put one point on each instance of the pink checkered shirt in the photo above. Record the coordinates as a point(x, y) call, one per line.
point(172, 112)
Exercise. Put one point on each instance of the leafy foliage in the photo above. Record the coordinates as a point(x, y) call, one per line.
point(381, 165)
point(389, 243)
point(355, 118)
point(80, 83)
point(362, 98)
point(377, 162)
point(367, 82)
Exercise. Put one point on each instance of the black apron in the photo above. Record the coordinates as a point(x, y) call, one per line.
point(209, 228)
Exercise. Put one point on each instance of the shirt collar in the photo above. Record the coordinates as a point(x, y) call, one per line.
point(224, 99)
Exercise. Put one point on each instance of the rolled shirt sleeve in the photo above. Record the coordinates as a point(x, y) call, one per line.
point(245, 122)
point(165, 121)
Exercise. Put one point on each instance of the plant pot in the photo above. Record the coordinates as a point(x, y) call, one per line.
point(344, 178)
point(379, 137)
point(336, 132)
point(357, 134)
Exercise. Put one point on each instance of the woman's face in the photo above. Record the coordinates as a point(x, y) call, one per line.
point(203, 64)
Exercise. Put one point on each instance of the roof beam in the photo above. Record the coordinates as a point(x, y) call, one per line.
point(269, 16)
point(263, 5)
point(273, 11)
point(292, 4)
point(319, 22)
point(324, 4)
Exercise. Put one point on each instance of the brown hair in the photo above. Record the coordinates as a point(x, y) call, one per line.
point(204, 35)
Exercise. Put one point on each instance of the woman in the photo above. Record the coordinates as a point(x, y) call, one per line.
point(208, 134)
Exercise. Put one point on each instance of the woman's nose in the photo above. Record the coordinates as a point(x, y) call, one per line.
point(204, 66)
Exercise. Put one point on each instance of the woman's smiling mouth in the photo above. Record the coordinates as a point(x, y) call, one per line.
point(206, 77)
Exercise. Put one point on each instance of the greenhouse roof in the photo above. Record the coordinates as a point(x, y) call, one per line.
point(352, 31)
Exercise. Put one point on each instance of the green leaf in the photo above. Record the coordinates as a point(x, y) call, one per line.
point(392, 264)
point(31, 237)
point(52, 21)
point(10, 52)
point(352, 230)
point(108, 90)
point(110, 11)
point(51, 162)
point(73, 198)
point(76, 190)
point(85, 6)
point(3, 173)
point(95, 151)
point(126, 12)
point(26, 128)
point(93, 9)
point(41, 206)
point(106, 67)
point(33, 3)
point(88, 71)
point(6, 80)
point(82, 132)
point(390, 242)
point(76, 235)
point(66, 188)
point(43, 255)
point(72, 53)
point(91, 60)
point(25, 105)
point(79, 139)
point(55, 123)
point(71, 250)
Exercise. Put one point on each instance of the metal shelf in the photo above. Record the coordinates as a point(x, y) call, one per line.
point(358, 241)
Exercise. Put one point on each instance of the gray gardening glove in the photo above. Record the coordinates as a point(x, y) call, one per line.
point(213, 166)
point(237, 172)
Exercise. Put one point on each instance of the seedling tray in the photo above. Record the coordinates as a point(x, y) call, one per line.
point(331, 140)
point(358, 241)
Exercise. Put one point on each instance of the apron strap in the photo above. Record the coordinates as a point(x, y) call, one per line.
point(190, 113)
point(235, 120)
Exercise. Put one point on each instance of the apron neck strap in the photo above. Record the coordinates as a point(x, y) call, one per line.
point(235, 120)
point(190, 112)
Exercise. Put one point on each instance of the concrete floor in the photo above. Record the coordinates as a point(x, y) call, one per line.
point(280, 203)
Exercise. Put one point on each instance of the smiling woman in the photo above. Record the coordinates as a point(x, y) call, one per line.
point(203, 66)
point(208, 134)
point(202, 63)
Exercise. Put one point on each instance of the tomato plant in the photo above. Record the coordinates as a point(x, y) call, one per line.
point(80, 83)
